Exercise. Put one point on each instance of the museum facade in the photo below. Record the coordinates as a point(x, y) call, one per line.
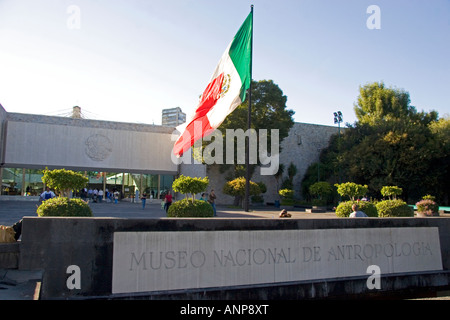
point(124, 156)
point(116, 155)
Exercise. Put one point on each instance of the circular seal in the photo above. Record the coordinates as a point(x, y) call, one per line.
point(98, 147)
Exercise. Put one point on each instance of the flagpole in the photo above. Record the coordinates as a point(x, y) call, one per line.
point(249, 115)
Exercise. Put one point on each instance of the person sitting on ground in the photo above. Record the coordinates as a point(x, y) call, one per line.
point(284, 214)
point(356, 213)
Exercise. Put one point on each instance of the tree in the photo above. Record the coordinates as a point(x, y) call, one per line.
point(391, 191)
point(322, 190)
point(351, 189)
point(190, 185)
point(391, 144)
point(236, 188)
point(64, 181)
point(269, 111)
point(377, 103)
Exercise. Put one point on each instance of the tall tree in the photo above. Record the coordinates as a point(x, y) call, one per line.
point(391, 144)
point(269, 111)
point(377, 103)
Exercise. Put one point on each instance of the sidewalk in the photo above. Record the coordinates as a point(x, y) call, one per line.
point(13, 211)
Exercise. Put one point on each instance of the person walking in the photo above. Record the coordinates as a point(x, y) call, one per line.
point(167, 201)
point(143, 199)
point(100, 195)
point(212, 200)
point(116, 196)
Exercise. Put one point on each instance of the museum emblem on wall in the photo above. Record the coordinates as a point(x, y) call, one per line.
point(98, 147)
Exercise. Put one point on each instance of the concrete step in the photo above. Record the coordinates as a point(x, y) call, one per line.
point(20, 284)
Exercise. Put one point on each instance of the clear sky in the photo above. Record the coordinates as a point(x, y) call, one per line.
point(128, 60)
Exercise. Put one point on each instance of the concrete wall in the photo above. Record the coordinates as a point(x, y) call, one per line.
point(54, 244)
point(3, 115)
point(39, 141)
point(301, 147)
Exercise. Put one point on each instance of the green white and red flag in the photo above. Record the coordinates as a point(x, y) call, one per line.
point(226, 90)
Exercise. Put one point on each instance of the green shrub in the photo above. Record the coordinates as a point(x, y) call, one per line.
point(322, 190)
point(286, 193)
point(64, 207)
point(351, 189)
point(64, 180)
point(185, 208)
point(257, 199)
point(236, 187)
point(287, 202)
point(190, 185)
point(391, 191)
point(394, 208)
point(344, 209)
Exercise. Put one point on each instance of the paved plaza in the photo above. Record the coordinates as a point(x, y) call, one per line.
point(12, 211)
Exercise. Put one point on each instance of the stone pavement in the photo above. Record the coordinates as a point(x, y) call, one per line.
point(20, 284)
point(13, 211)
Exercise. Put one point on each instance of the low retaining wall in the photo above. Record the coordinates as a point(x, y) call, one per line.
point(56, 245)
point(9, 255)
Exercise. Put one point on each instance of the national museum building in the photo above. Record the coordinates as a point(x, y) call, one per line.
point(113, 155)
point(126, 156)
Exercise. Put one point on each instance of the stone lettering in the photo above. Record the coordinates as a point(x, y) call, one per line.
point(369, 251)
point(170, 260)
point(248, 257)
point(311, 254)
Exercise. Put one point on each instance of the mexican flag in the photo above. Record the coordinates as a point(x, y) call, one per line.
point(225, 91)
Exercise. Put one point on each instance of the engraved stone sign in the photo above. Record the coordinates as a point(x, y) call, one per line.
point(155, 261)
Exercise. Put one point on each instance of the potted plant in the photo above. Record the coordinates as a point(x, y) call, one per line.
point(427, 207)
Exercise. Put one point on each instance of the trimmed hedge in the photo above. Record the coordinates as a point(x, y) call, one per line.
point(344, 209)
point(185, 208)
point(394, 208)
point(64, 207)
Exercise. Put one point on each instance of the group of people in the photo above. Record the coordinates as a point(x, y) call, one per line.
point(97, 195)
point(211, 199)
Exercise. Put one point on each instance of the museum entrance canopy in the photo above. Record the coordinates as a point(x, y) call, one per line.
point(34, 142)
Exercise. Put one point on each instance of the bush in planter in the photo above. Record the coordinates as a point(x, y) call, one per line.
point(190, 185)
point(64, 207)
point(287, 197)
point(188, 208)
point(344, 209)
point(428, 206)
point(394, 208)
